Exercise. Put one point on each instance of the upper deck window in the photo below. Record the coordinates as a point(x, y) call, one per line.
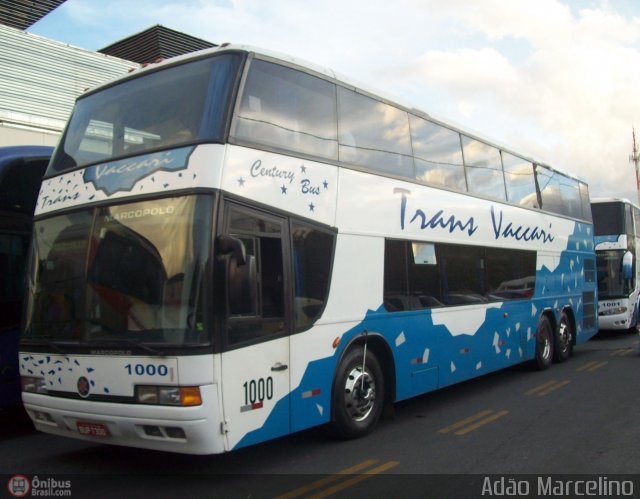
point(438, 154)
point(570, 191)
point(520, 181)
point(549, 183)
point(288, 109)
point(484, 168)
point(584, 200)
point(169, 107)
point(373, 134)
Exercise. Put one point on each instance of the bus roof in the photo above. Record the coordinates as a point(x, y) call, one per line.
point(613, 200)
point(21, 170)
point(11, 153)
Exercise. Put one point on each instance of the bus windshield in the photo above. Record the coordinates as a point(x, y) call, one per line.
point(172, 106)
point(608, 218)
point(611, 283)
point(116, 273)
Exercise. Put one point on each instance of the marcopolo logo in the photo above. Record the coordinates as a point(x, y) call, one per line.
point(21, 486)
point(123, 175)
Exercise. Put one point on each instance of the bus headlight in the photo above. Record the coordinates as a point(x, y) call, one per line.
point(168, 395)
point(613, 311)
point(33, 384)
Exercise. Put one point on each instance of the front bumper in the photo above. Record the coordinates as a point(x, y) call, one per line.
point(188, 430)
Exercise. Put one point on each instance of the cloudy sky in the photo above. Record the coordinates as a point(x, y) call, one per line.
point(558, 80)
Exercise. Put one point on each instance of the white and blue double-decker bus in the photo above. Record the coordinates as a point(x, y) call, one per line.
point(616, 224)
point(234, 245)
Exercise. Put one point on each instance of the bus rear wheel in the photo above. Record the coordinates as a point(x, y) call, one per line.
point(358, 394)
point(563, 339)
point(544, 344)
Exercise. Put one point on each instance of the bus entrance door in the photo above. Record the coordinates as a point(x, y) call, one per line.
point(255, 378)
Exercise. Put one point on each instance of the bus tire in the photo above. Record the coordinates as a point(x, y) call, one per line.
point(544, 344)
point(563, 339)
point(358, 397)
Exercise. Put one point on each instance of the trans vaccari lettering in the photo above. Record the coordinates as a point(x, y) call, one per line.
point(438, 220)
point(509, 230)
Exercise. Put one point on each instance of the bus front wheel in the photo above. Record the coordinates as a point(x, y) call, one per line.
point(358, 394)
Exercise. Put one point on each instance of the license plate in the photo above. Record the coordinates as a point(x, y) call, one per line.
point(92, 429)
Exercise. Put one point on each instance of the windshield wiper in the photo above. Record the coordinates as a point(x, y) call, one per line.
point(117, 339)
point(49, 343)
point(139, 344)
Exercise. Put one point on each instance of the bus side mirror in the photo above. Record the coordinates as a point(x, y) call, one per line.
point(233, 245)
point(241, 277)
point(627, 265)
point(242, 287)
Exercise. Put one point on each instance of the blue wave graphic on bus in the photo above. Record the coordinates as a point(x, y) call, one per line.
point(441, 358)
point(607, 239)
point(124, 174)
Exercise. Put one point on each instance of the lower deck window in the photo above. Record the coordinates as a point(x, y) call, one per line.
point(421, 275)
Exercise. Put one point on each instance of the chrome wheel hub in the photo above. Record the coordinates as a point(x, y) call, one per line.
point(565, 336)
point(359, 394)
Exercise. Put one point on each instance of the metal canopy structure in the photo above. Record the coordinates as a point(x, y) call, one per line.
point(154, 43)
point(21, 14)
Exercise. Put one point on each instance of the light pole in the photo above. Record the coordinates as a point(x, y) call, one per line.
point(635, 159)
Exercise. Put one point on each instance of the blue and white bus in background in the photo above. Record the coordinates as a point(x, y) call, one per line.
point(234, 245)
point(616, 224)
point(21, 171)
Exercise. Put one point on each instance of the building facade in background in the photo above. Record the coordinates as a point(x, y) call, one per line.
point(41, 78)
point(39, 82)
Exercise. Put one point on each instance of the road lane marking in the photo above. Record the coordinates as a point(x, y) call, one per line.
point(541, 387)
point(474, 422)
point(354, 480)
point(622, 352)
point(340, 475)
point(465, 422)
point(592, 366)
point(547, 388)
point(482, 422)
